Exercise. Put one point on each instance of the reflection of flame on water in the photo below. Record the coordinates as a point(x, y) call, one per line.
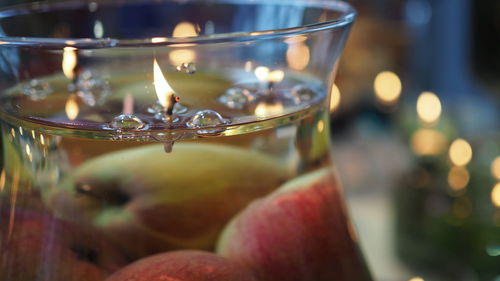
point(320, 126)
point(458, 178)
point(42, 139)
point(72, 108)
point(387, 86)
point(428, 142)
point(297, 55)
point(495, 195)
point(265, 75)
point(69, 62)
point(416, 279)
point(268, 109)
point(181, 30)
point(334, 98)
point(163, 90)
point(28, 153)
point(185, 29)
point(158, 39)
point(13, 132)
point(460, 152)
point(262, 73)
point(428, 107)
point(248, 66)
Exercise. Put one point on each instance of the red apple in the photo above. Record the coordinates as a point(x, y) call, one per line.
point(300, 232)
point(35, 246)
point(186, 265)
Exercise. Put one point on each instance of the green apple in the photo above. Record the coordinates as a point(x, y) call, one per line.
point(150, 201)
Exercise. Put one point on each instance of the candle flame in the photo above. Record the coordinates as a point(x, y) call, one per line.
point(162, 88)
point(72, 108)
point(69, 62)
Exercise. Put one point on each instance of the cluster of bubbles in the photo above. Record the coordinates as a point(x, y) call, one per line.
point(37, 89)
point(91, 89)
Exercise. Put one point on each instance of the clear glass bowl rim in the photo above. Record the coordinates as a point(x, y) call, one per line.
point(348, 15)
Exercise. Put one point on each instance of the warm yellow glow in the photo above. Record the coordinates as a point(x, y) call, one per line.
point(495, 195)
point(334, 98)
point(13, 132)
point(72, 109)
point(266, 109)
point(33, 134)
point(428, 142)
point(495, 168)
point(158, 39)
point(162, 88)
point(184, 29)
point(178, 57)
point(28, 152)
point(42, 139)
point(320, 126)
point(2, 180)
point(458, 178)
point(460, 152)
point(248, 66)
point(265, 75)
point(262, 73)
point(69, 62)
point(416, 279)
point(20, 131)
point(428, 107)
point(298, 56)
point(387, 86)
point(276, 76)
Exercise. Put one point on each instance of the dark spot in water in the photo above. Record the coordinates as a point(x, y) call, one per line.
point(84, 253)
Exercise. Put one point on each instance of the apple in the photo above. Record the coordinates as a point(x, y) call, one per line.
point(149, 201)
point(35, 246)
point(185, 265)
point(300, 232)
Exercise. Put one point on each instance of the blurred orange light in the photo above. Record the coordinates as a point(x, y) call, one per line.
point(495, 168)
point(334, 98)
point(458, 178)
point(428, 142)
point(387, 86)
point(428, 107)
point(298, 56)
point(460, 152)
point(495, 195)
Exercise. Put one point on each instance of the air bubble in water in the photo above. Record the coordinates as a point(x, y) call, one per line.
point(126, 122)
point(189, 68)
point(302, 94)
point(205, 119)
point(236, 98)
point(37, 89)
point(92, 90)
